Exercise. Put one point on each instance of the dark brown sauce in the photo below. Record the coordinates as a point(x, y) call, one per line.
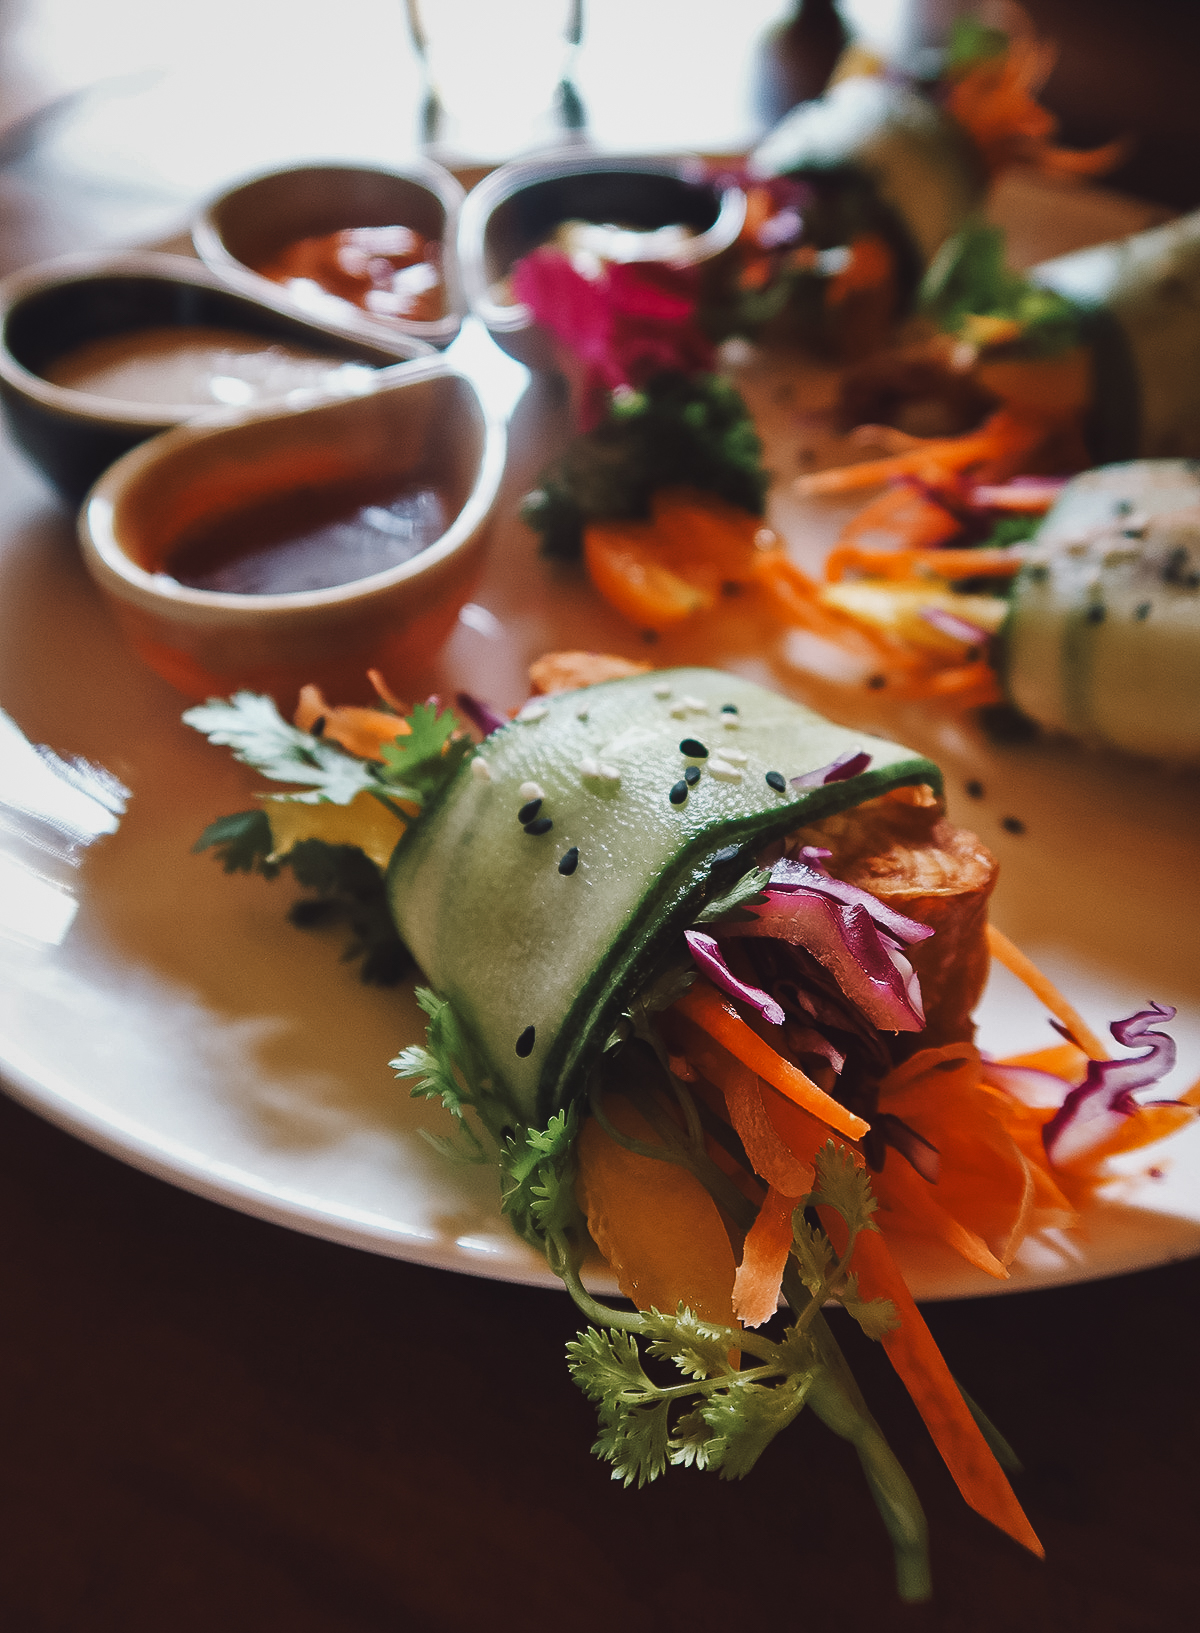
point(309, 539)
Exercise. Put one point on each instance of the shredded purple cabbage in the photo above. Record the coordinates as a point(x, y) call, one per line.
point(711, 961)
point(850, 764)
point(868, 966)
point(1091, 1112)
point(806, 873)
point(481, 715)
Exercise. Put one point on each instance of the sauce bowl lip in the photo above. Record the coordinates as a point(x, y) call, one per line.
point(422, 172)
point(511, 179)
point(87, 266)
point(157, 592)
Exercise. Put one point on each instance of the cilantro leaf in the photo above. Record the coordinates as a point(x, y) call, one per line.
point(242, 842)
point(700, 1349)
point(877, 1316)
point(744, 1418)
point(418, 765)
point(969, 277)
point(744, 892)
point(259, 736)
point(841, 1184)
point(679, 431)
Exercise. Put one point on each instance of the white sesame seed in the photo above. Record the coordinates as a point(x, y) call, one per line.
point(480, 770)
point(609, 773)
point(735, 756)
point(533, 710)
point(723, 771)
point(679, 711)
point(696, 705)
point(531, 790)
point(589, 766)
point(662, 691)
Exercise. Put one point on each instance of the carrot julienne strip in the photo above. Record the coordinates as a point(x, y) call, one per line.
point(922, 1369)
point(1005, 952)
point(1001, 562)
point(765, 1254)
point(721, 1021)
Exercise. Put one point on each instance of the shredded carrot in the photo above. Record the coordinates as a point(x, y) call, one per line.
point(1003, 437)
point(923, 1370)
point(797, 598)
point(1065, 1060)
point(703, 1005)
point(365, 732)
point(1001, 562)
point(764, 1257)
point(785, 1168)
point(1005, 952)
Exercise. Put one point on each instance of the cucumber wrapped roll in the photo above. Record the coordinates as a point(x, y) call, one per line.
point(704, 966)
point(1103, 634)
point(881, 158)
point(1138, 298)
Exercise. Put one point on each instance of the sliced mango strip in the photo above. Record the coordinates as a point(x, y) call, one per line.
point(366, 823)
point(653, 1221)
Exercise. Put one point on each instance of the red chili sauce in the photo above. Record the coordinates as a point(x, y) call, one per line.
point(391, 272)
point(309, 539)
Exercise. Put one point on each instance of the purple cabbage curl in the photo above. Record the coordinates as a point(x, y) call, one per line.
point(850, 764)
point(867, 963)
point(1092, 1111)
point(711, 962)
point(958, 629)
point(806, 873)
point(481, 715)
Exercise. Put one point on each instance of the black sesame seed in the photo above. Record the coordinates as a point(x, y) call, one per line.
point(1122, 507)
point(1142, 611)
point(692, 775)
point(529, 811)
point(727, 854)
point(1095, 614)
point(317, 728)
point(975, 789)
point(525, 1042)
point(693, 748)
point(777, 781)
point(1012, 825)
point(650, 636)
point(543, 825)
point(729, 708)
point(876, 683)
point(731, 587)
point(569, 860)
point(679, 793)
point(1038, 574)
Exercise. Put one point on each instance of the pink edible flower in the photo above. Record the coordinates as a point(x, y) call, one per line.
point(625, 324)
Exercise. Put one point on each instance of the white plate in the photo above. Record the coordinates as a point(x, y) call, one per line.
point(183, 1026)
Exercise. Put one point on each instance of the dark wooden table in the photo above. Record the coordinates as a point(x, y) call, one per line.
point(207, 1422)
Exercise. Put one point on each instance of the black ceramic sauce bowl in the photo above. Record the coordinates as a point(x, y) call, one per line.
point(50, 310)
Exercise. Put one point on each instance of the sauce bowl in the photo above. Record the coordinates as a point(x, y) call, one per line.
point(423, 423)
point(51, 310)
point(247, 226)
point(519, 206)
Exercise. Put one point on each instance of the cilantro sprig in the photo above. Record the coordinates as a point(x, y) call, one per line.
point(969, 279)
point(347, 886)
